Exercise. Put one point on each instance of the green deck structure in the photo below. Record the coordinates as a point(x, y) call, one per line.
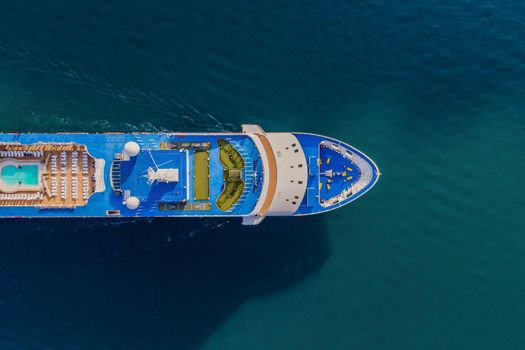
point(201, 175)
point(233, 185)
point(230, 195)
point(230, 158)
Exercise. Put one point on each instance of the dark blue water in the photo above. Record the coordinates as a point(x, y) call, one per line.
point(432, 258)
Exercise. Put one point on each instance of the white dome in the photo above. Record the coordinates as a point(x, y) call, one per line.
point(132, 203)
point(131, 148)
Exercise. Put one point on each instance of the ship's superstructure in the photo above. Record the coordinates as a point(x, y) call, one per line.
point(252, 174)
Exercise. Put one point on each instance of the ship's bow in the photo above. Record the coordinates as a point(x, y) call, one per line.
point(337, 173)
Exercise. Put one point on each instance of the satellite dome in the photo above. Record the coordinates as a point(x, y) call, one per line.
point(131, 149)
point(132, 203)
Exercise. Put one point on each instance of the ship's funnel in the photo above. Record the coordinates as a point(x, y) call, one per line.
point(131, 149)
point(132, 203)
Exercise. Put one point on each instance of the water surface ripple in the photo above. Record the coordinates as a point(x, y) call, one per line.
point(432, 258)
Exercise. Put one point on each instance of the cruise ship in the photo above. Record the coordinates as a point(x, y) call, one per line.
point(251, 174)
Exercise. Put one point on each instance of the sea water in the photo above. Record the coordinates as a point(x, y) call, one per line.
point(431, 258)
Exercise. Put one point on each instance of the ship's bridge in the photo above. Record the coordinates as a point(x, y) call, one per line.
point(285, 174)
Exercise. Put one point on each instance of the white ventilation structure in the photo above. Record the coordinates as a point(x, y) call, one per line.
point(131, 149)
point(132, 203)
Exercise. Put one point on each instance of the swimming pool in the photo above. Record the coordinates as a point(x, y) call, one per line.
point(26, 175)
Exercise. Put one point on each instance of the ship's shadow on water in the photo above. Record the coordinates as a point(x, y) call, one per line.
point(143, 284)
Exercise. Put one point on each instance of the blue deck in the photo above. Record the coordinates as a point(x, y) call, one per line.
point(311, 147)
point(134, 176)
point(105, 146)
point(345, 173)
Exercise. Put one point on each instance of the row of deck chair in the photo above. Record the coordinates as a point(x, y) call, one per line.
point(54, 167)
point(74, 162)
point(63, 162)
point(85, 188)
point(21, 153)
point(20, 196)
point(85, 165)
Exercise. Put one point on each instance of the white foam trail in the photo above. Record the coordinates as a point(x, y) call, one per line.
point(147, 101)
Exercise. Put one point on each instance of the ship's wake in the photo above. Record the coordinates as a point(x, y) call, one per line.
point(163, 112)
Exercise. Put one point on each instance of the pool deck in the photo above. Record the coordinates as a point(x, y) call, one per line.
point(50, 178)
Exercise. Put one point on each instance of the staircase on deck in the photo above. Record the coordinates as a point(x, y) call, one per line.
point(116, 180)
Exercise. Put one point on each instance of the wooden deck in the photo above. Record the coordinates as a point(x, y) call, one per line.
point(272, 171)
point(53, 178)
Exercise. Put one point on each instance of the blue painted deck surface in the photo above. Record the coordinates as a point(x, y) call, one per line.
point(135, 170)
point(345, 173)
point(106, 145)
point(310, 204)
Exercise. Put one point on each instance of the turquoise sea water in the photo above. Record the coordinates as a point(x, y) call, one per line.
point(431, 258)
point(25, 175)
